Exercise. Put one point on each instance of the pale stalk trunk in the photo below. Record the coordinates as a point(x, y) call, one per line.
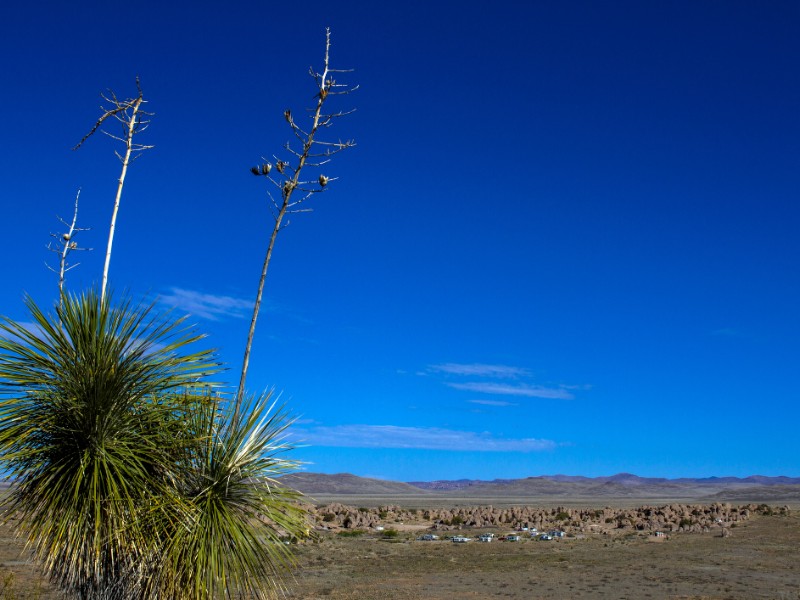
point(120, 183)
point(65, 251)
point(256, 308)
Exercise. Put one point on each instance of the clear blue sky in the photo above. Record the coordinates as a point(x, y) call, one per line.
point(567, 240)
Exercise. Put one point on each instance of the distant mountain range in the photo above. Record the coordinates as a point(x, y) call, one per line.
point(627, 479)
point(347, 484)
point(551, 487)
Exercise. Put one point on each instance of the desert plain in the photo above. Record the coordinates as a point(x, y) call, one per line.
point(369, 547)
point(757, 557)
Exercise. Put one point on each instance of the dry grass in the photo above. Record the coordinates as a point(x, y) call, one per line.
point(759, 560)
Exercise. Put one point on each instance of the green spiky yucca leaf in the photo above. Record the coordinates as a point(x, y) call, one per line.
point(92, 405)
point(129, 477)
point(229, 538)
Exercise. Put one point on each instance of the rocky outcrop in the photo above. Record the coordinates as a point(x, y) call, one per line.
point(694, 518)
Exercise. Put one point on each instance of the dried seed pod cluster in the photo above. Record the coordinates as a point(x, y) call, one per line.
point(261, 170)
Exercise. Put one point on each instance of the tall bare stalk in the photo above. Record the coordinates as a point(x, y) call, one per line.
point(134, 120)
point(65, 244)
point(308, 152)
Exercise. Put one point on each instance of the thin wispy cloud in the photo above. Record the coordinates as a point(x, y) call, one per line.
point(423, 438)
point(497, 380)
point(507, 389)
point(29, 326)
point(207, 306)
point(481, 370)
point(493, 403)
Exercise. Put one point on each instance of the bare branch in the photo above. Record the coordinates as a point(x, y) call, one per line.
point(112, 136)
point(106, 114)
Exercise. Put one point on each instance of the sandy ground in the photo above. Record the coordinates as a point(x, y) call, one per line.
point(758, 561)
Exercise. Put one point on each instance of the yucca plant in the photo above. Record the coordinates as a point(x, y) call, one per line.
point(91, 410)
point(226, 535)
point(130, 479)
